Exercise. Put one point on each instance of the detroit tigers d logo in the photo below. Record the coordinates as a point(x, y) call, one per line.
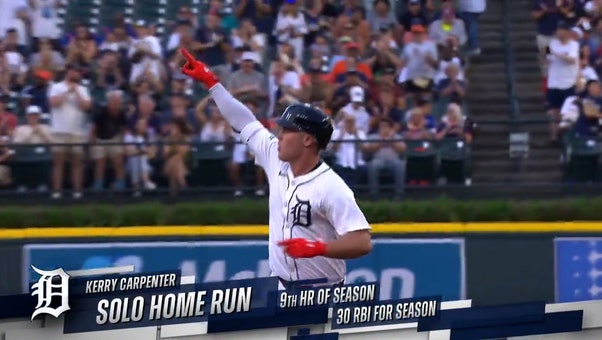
point(301, 213)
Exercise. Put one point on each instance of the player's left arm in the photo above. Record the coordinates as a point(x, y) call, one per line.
point(350, 223)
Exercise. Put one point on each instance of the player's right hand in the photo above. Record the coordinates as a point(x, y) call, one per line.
point(198, 70)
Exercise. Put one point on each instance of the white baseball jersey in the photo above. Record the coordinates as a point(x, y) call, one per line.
point(315, 206)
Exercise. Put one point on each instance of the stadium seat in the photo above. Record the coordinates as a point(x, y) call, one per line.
point(31, 165)
point(452, 149)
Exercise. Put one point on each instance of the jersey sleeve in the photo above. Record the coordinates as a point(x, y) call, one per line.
point(342, 211)
point(262, 143)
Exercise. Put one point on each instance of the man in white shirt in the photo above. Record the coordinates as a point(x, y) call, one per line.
point(69, 102)
point(315, 222)
point(356, 109)
point(347, 148)
point(145, 53)
point(563, 72)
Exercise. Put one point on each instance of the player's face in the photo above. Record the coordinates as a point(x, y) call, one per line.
point(291, 144)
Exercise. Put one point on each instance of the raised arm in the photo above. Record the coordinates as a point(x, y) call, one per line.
point(261, 142)
point(235, 112)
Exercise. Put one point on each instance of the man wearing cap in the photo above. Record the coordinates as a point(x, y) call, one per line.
point(69, 104)
point(420, 58)
point(356, 108)
point(563, 69)
point(33, 132)
point(247, 82)
point(352, 52)
point(145, 53)
point(37, 93)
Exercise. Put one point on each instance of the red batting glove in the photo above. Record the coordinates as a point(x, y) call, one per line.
point(198, 70)
point(299, 247)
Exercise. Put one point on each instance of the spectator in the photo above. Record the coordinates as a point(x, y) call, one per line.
point(452, 125)
point(45, 21)
point(448, 29)
point(215, 128)
point(145, 55)
point(33, 132)
point(348, 143)
point(341, 95)
point(413, 15)
point(386, 149)
point(386, 85)
point(548, 15)
point(448, 56)
point(14, 43)
point(420, 59)
point(451, 88)
point(247, 83)
point(387, 102)
point(213, 40)
point(6, 153)
point(146, 109)
point(176, 150)
point(471, 11)
point(260, 11)
point(356, 109)
point(563, 69)
point(47, 59)
point(183, 36)
point(108, 73)
point(291, 27)
point(14, 64)
point(383, 51)
point(8, 120)
point(355, 26)
point(241, 156)
point(108, 127)
point(69, 102)
point(284, 87)
point(179, 108)
point(139, 151)
point(317, 88)
point(417, 127)
point(81, 48)
point(9, 12)
point(382, 16)
point(37, 93)
point(320, 47)
point(247, 36)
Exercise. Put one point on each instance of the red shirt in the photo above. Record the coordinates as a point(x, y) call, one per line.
point(8, 121)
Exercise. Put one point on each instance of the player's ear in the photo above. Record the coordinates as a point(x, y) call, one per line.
point(308, 140)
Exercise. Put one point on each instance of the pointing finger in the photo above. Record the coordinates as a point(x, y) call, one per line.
point(189, 57)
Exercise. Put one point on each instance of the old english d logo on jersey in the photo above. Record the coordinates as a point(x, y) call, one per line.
point(301, 213)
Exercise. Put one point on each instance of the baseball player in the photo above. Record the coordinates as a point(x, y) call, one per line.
point(315, 223)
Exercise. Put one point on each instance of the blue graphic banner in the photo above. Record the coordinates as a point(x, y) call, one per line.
point(404, 268)
point(578, 269)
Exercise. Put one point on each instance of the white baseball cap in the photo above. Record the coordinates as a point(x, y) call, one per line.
point(357, 94)
point(33, 109)
point(248, 56)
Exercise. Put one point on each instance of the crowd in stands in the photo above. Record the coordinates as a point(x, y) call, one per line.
point(569, 40)
point(390, 74)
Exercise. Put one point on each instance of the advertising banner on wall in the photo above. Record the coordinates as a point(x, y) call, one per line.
point(578, 268)
point(404, 268)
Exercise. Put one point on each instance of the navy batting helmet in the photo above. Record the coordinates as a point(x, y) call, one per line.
point(308, 119)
